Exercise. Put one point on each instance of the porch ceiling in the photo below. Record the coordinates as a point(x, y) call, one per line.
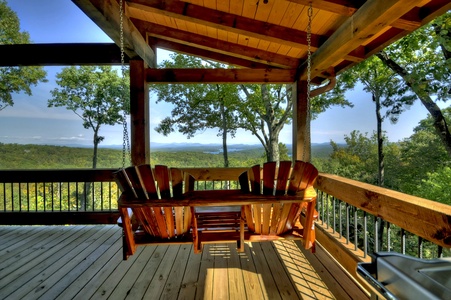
point(264, 33)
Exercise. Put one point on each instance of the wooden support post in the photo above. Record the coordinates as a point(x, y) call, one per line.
point(139, 114)
point(301, 138)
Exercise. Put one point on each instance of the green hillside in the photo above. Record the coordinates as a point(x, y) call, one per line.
point(17, 156)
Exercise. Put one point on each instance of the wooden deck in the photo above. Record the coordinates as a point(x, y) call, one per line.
point(85, 262)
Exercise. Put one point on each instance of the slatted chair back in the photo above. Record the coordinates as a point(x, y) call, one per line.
point(144, 184)
point(284, 178)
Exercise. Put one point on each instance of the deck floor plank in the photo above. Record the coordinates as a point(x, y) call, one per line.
point(205, 281)
point(28, 267)
point(142, 282)
point(12, 254)
point(283, 285)
point(108, 275)
point(190, 277)
point(175, 278)
point(79, 265)
point(14, 238)
point(85, 262)
point(95, 270)
point(61, 267)
point(236, 288)
point(156, 286)
point(253, 286)
point(126, 284)
point(220, 272)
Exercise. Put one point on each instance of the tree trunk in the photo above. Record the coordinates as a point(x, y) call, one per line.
point(224, 135)
point(440, 125)
point(380, 143)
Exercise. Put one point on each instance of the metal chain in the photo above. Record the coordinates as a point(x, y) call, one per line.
point(309, 70)
point(125, 139)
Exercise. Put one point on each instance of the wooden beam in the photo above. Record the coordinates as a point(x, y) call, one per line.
point(206, 54)
point(410, 21)
point(428, 219)
point(219, 75)
point(60, 54)
point(106, 14)
point(373, 16)
point(225, 21)
point(341, 7)
point(223, 47)
point(301, 136)
point(139, 114)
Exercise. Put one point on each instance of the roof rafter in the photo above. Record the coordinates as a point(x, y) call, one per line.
point(206, 54)
point(226, 48)
point(221, 20)
point(367, 21)
point(106, 14)
point(220, 75)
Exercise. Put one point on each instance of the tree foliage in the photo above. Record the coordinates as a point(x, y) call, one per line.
point(423, 60)
point(15, 79)
point(98, 95)
point(197, 107)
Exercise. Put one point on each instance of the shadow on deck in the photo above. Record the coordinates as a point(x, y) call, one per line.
point(85, 262)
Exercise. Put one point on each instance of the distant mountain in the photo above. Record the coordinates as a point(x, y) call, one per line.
point(318, 149)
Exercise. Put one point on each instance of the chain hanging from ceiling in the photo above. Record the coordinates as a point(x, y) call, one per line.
point(125, 139)
point(309, 71)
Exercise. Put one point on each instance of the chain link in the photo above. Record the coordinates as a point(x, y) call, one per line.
point(125, 139)
point(309, 70)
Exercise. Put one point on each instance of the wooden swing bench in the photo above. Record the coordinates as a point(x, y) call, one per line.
point(160, 205)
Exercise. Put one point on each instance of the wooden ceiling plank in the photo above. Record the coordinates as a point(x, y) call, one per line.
point(229, 22)
point(249, 9)
point(341, 7)
point(291, 15)
point(219, 75)
point(235, 50)
point(106, 14)
point(367, 21)
point(264, 10)
point(236, 7)
point(223, 6)
point(278, 11)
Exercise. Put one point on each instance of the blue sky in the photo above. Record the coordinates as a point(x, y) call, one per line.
point(60, 21)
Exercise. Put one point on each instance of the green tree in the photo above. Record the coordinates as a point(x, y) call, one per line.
point(97, 95)
point(265, 111)
point(422, 153)
point(423, 60)
point(198, 107)
point(262, 110)
point(387, 91)
point(15, 79)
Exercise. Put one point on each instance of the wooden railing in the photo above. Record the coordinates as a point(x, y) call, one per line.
point(45, 197)
point(350, 212)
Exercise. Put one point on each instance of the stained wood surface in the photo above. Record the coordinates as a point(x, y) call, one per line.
point(217, 198)
point(85, 262)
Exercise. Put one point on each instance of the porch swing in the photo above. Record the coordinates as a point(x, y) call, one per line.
point(157, 205)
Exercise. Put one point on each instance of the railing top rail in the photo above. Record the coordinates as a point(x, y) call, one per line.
point(57, 175)
point(428, 219)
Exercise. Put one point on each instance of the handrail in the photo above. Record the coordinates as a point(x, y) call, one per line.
point(428, 219)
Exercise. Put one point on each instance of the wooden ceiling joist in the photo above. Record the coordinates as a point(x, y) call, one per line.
point(367, 21)
point(225, 21)
point(205, 54)
point(204, 42)
point(106, 14)
point(60, 54)
point(220, 76)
